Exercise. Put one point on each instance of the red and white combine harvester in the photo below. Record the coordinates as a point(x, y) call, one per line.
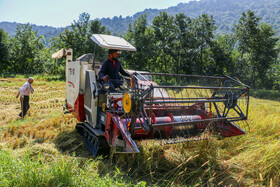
point(171, 108)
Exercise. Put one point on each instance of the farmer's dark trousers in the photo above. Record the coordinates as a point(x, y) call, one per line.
point(24, 106)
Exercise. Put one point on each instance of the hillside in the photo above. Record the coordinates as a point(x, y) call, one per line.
point(47, 31)
point(226, 14)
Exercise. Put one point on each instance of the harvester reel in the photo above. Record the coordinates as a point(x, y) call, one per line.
point(136, 107)
point(231, 100)
point(232, 97)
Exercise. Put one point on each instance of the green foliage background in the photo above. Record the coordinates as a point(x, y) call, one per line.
point(226, 14)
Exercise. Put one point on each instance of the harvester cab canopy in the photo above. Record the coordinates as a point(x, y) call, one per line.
point(112, 42)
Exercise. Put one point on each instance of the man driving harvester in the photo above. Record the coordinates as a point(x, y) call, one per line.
point(110, 69)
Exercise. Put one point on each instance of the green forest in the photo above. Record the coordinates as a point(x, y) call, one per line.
point(170, 44)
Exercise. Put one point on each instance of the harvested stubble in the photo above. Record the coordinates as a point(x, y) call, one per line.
point(44, 119)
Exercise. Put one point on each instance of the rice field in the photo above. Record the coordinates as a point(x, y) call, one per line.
point(44, 149)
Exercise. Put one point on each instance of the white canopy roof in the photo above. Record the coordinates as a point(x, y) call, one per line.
point(112, 42)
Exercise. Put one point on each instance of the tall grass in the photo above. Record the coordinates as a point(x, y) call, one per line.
point(28, 170)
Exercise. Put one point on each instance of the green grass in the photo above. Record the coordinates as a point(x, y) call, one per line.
point(34, 170)
point(45, 150)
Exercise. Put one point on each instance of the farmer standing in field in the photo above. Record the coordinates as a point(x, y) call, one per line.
point(24, 93)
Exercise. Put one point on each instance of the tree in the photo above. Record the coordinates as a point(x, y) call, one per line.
point(4, 52)
point(184, 48)
point(203, 28)
point(78, 37)
point(97, 28)
point(221, 56)
point(142, 38)
point(164, 30)
point(25, 47)
point(276, 72)
point(81, 35)
point(257, 44)
point(268, 53)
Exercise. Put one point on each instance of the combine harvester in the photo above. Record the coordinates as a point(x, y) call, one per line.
point(171, 108)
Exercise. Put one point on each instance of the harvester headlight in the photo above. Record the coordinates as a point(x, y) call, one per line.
point(127, 102)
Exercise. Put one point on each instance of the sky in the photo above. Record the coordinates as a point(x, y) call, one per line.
point(61, 13)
